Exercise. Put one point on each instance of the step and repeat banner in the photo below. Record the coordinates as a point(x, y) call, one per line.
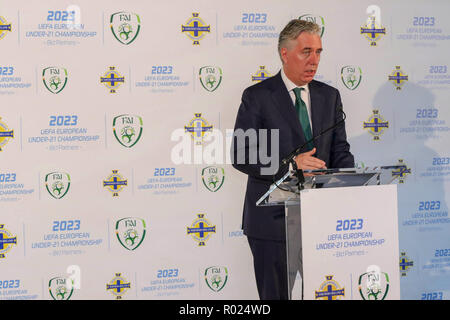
point(115, 123)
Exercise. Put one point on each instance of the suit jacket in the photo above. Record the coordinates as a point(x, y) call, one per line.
point(267, 105)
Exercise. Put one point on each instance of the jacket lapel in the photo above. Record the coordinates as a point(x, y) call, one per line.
point(317, 108)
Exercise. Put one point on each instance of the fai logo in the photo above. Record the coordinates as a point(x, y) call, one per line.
point(216, 278)
point(115, 183)
point(57, 184)
point(112, 79)
point(405, 264)
point(351, 77)
point(125, 26)
point(316, 19)
point(201, 230)
point(5, 27)
point(210, 77)
point(195, 28)
point(213, 178)
point(60, 288)
point(330, 290)
point(372, 31)
point(374, 284)
point(398, 78)
point(118, 286)
point(7, 240)
point(54, 78)
point(261, 75)
point(376, 125)
point(130, 232)
point(127, 129)
point(198, 128)
point(401, 172)
point(5, 134)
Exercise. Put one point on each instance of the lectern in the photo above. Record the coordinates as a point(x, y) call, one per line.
point(341, 233)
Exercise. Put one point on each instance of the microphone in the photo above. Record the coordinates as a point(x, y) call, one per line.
point(294, 153)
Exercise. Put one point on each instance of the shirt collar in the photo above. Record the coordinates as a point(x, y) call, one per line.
point(289, 84)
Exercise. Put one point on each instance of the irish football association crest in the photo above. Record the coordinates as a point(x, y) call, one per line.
point(213, 178)
point(55, 79)
point(373, 284)
point(125, 26)
point(130, 232)
point(216, 278)
point(60, 288)
point(351, 77)
point(127, 129)
point(210, 77)
point(57, 184)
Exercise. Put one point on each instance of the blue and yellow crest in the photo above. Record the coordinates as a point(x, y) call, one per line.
point(372, 31)
point(7, 240)
point(401, 172)
point(261, 75)
point(398, 77)
point(112, 79)
point(115, 183)
point(405, 264)
point(5, 134)
point(201, 230)
point(5, 27)
point(118, 286)
point(195, 28)
point(198, 128)
point(329, 290)
point(376, 125)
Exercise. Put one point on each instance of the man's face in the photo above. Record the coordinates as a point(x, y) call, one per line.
point(301, 58)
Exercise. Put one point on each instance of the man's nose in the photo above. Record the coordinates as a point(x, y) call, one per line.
point(314, 58)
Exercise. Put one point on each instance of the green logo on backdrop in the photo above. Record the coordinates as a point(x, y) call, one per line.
point(125, 26)
point(127, 129)
point(57, 184)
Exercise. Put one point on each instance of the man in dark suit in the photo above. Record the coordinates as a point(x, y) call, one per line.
point(296, 107)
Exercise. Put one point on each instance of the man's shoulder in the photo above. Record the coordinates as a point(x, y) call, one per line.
point(318, 85)
point(269, 84)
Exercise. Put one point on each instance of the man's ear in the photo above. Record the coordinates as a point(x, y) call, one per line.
point(283, 53)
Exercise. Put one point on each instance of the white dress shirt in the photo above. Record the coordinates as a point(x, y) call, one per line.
point(304, 94)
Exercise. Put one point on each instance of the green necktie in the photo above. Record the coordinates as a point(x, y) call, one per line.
point(302, 114)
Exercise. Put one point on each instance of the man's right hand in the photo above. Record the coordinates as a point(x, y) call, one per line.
point(306, 161)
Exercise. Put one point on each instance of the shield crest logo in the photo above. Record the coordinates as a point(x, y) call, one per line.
point(57, 184)
point(127, 129)
point(320, 21)
point(374, 284)
point(125, 26)
point(130, 232)
point(216, 278)
point(351, 77)
point(60, 288)
point(210, 77)
point(213, 178)
point(55, 79)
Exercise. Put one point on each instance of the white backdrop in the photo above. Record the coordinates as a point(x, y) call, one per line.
point(70, 132)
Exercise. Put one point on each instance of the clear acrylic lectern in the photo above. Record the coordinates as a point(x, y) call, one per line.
point(286, 192)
